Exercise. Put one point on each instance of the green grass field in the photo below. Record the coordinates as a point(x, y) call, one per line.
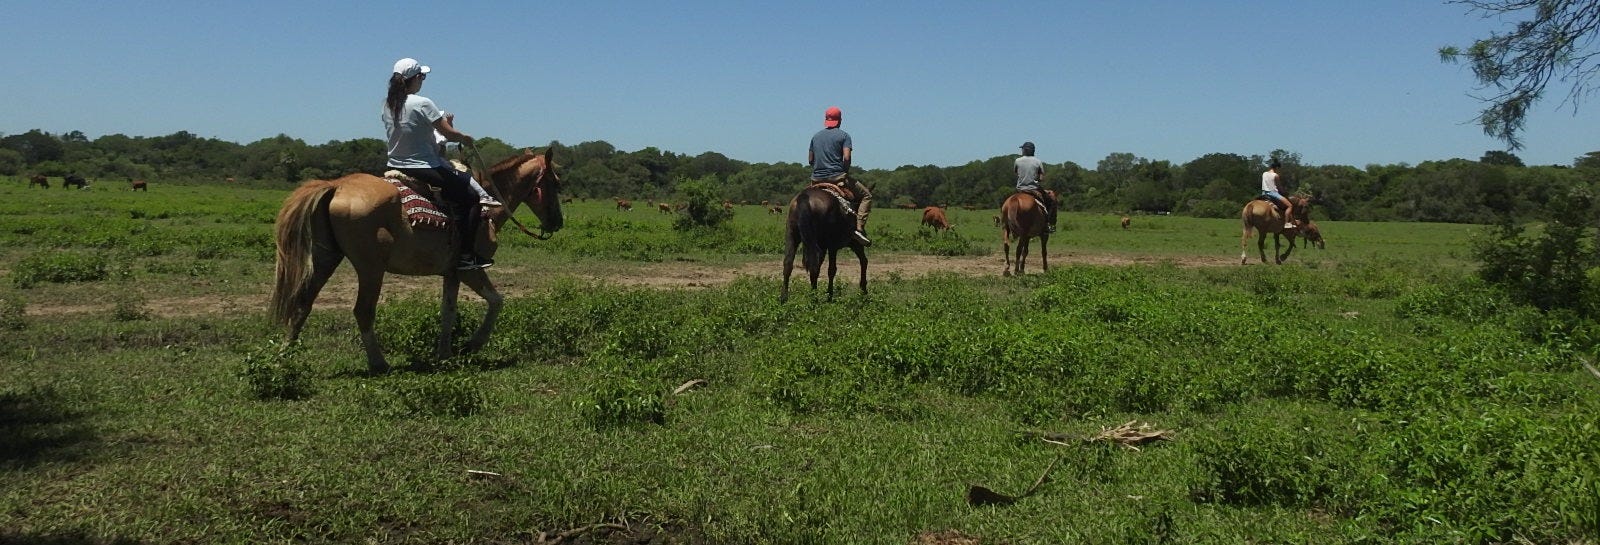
point(1370, 392)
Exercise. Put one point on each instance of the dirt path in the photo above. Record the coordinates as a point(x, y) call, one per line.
point(513, 281)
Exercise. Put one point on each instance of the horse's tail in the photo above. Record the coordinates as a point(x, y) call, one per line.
point(806, 216)
point(295, 246)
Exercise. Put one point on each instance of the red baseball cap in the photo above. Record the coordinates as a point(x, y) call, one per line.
point(830, 118)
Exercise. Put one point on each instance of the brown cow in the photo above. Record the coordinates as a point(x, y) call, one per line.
point(229, 180)
point(38, 180)
point(1125, 222)
point(997, 221)
point(1312, 234)
point(727, 205)
point(775, 210)
point(624, 205)
point(933, 216)
point(664, 208)
point(139, 185)
point(909, 206)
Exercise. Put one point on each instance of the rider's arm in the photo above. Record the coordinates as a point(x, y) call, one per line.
point(448, 129)
point(847, 159)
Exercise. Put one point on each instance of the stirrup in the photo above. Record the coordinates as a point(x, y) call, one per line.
point(861, 238)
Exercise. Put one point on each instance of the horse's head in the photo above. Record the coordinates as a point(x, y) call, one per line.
point(1302, 207)
point(531, 179)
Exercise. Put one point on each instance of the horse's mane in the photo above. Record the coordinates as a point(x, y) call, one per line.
point(512, 161)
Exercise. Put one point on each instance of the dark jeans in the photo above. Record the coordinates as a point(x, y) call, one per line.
point(461, 202)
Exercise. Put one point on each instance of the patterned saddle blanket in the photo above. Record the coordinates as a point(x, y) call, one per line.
point(419, 210)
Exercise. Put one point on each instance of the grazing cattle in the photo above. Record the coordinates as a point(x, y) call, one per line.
point(819, 222)
point(766, 203)
point(909, 206)
point(139, 185)
point(1263, 217)
point(1125, 222)
point(38, 180)
point(775, 210)
point(1313, 234)
point(74, 180)
point(229, 179)
point(664, 208)
point(933, 216)
point(727, 205)
point(624, 205)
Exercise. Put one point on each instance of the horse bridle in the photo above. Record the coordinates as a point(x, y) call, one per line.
point(534, 188)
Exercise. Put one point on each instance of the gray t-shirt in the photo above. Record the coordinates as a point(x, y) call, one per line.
point(827, 153)
point(1028, 169)
point(411, 143)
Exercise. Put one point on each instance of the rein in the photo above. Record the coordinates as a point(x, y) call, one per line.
point(494, 189)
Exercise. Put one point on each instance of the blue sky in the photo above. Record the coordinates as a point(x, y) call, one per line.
point(1351, 82)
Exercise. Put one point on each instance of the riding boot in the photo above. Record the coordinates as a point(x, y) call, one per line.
point(861, 220)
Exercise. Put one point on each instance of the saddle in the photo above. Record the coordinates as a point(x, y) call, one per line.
point(844, 196)
point(1274, 202)
point(419, 210)
point(1038, 198)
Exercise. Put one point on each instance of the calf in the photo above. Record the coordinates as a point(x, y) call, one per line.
point(775, 210)
point(664, 208)
point(1313, 235)
point(38, 180)
point(1125, 222)
point(624, 205)
point(933, 216)
point(139, 185)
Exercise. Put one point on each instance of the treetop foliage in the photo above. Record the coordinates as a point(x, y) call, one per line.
point(1494, 187)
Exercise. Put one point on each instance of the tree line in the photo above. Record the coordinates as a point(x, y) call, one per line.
point(1494, 188)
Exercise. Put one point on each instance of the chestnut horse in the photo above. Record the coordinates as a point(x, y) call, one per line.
point(820, 223)
point(359, 217)
point(1265, 218)
point(1022, 216)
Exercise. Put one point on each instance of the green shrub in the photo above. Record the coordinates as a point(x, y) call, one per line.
point(60, 268)
point(626, 392)
point(13, 309)
point(277, 372)
point(703, 206)
point(129, 307)
point(439, 395)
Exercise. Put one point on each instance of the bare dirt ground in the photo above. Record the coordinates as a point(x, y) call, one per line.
point(514, 281)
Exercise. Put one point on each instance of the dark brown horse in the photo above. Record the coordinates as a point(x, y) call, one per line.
point(38, 180)
point(820, 223)
point(359, 218)
point(1262, 217)
point(1021, 216)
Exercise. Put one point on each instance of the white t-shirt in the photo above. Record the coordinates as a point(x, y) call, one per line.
point(411, 143)
point(1269, 181)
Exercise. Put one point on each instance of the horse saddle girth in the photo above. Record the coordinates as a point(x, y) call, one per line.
point(421, 211)
point(844, 196)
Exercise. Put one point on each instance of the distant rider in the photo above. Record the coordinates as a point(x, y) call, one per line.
point(1030, 180)
point(1272, 190)
point(829, 158)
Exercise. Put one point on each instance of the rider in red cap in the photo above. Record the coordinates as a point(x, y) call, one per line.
point(830, 162)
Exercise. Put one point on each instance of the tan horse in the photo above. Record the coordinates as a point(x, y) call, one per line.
point(819, 223)
point(1262, 217)
point(358, 217)
point(1022, 217)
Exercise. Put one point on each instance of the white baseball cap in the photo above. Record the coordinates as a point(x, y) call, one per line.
point(409, 68)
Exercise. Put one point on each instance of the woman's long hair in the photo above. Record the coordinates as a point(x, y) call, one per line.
point(397, 96)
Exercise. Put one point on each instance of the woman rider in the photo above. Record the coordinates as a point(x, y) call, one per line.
point(410, 121)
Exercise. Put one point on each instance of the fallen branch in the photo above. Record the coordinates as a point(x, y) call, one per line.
point(1586, 365)
point(979, 495)
point(1129, 435)
point(689, 385)
point(575, 532)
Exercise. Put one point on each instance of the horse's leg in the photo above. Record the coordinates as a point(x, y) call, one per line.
point(369, 286)
point(861, 255)
point(479, 282)
point(788, 266)
point(1022, 254)
point(447, 314)
point(324, 260)
point(1044, 251)
point(1244, 255)
point(833, 269)
point(1005, 238)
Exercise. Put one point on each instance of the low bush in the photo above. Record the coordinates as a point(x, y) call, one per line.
point(454, 395)
point(274, 371)
point(62, 268)
point(13, 309)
